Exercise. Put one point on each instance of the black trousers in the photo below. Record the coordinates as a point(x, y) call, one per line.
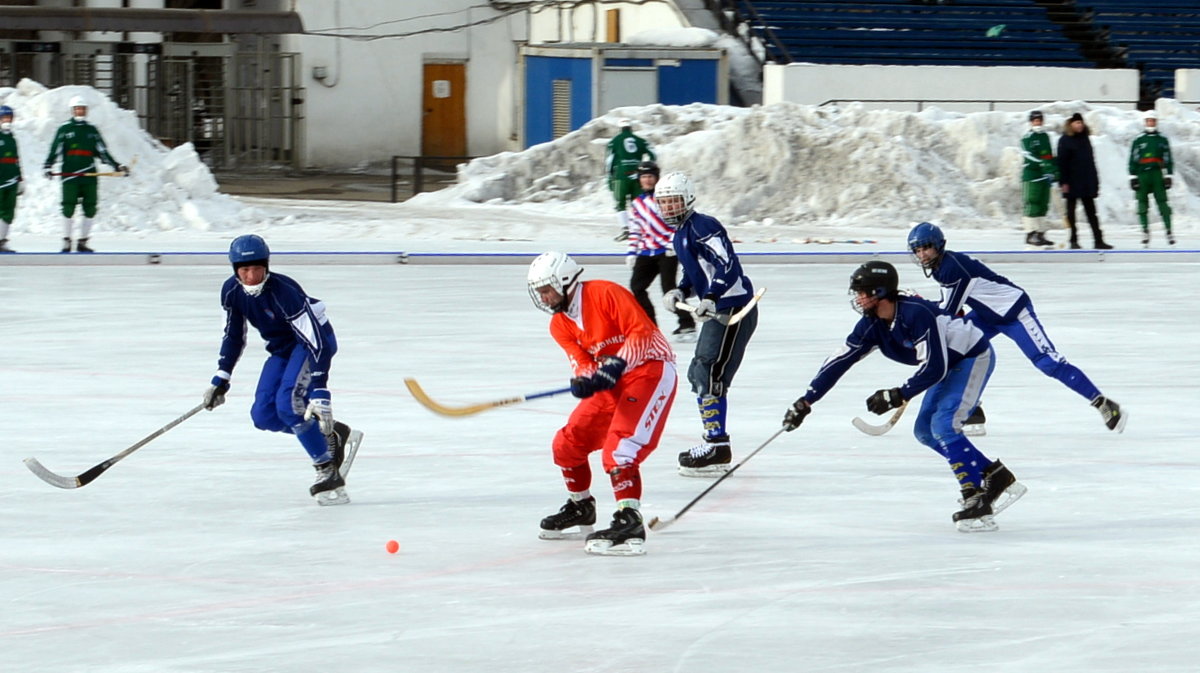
point(645, 268)
point(1089, 210)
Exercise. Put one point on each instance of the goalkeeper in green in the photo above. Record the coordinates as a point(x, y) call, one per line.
point(78, 144)
point(624, 153)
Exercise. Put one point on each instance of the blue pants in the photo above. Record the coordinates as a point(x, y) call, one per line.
point(946, 405)
point(1027, 332)
point(282, 397)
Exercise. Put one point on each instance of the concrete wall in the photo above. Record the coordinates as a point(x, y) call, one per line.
point(586, 22)
point(900, 87)
point(1187, 85)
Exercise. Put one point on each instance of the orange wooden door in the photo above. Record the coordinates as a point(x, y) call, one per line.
point(444, 106)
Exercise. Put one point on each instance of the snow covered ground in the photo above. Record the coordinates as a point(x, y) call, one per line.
point(829, 551)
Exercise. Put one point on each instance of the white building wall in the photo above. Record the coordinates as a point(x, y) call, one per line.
point(588, 22)
point(368, 106)
point(912, 87)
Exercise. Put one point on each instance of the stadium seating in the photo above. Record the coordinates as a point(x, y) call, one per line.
point(1159, 36)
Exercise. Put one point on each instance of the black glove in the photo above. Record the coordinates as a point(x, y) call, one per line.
point(604, 378)
point(48, 174)
point(1167, 182)
point(123, 168)
point(1134, 183)
point(795, 414)
point(884, 400)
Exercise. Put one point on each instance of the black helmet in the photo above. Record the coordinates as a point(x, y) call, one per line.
point(1036, 114)
point(647, 167)
point(877, 279)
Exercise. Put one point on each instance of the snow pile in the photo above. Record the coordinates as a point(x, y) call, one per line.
point(168, 189)
point(795, 164)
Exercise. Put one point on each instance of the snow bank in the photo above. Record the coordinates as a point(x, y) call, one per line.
point(169, 189)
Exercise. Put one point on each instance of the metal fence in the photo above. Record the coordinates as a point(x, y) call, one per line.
point(422, 173)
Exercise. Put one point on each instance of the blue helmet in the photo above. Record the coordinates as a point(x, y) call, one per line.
point(248, 249)
point(927, 235)
point(6, 111)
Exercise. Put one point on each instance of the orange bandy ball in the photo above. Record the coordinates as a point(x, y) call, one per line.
point(393, 546)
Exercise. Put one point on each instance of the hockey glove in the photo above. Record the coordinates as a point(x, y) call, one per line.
point(707, 310)
point(1134, 183)
point(673, 297)
point(215, 395)
point(48, 174)
point(795, 414)
point(884, 400)
point(20, 188)
point(1167, 182)
point(123, 169)
point(320, 408)
point(604, 378)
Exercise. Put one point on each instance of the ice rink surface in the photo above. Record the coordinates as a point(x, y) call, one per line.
point(829, 551)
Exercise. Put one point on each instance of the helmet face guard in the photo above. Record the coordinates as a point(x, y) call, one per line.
point(675, 197)
point(555, 270)
point(926, 235)
point(873, 280)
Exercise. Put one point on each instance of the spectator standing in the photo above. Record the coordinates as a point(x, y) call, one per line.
point(624, 153)
point(1037, 174)
point(1078, 178)
point(650, 250)
point(1150, 168)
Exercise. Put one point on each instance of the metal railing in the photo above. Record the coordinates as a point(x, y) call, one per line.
point(419, 164)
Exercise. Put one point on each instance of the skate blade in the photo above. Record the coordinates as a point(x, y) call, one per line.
point(1121, 421)
point(630, 547)
point(984, 524)
point(352, 442)
point(337, 496)
point(1010, 495)
point(708, 471)
point(975, 430)
point(685, 338)
point(579, 533)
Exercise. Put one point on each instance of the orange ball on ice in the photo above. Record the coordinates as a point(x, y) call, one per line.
point(392, 546)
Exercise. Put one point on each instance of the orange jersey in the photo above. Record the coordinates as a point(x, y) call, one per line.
point(604, 319)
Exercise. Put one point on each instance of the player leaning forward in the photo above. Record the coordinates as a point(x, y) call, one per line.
point(292, 394)
point(954, 361)
point(624, 376)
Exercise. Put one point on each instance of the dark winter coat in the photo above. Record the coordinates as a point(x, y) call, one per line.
point(1077, 164)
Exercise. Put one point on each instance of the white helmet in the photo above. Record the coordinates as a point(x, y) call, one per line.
point(624, 123)
point(76, 101)
point(557, 270)
point(675, 197)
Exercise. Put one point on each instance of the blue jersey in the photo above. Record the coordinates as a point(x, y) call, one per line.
point(710, 266)
point(921, 334)
point(284, 316)
point(964, 279)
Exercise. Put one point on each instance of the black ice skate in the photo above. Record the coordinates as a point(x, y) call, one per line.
point(4, 246)
point(710, 458)
point(1170, 238)
point(1111, 412)
point(82, 246)
point(1000, 487)
point(329, 488)
point(624, 537)
point(66, 246)
point(975, 515)
point(573, 521)
point(975, 425)
point(1145, 239)
point(343, 446)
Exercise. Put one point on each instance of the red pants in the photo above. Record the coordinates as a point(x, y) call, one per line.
point(625, 423)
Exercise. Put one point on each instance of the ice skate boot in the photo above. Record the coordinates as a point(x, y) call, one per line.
point(1145, 239)
point(975, 425)
point(709, 458)
point(4, 246)
point(82, 246)
point(1170, 238)
point(1111, 412)
point(573, 521)
point(343, 446)
point(624, 537)
point(329, 488)
point(685, 334)
point(1000, 487)
point(975, 515)
point(66, 245)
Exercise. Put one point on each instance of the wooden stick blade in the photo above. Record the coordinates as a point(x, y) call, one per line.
point(657, 524)
point(49, 477)
point(877, 430)
point(426, 401)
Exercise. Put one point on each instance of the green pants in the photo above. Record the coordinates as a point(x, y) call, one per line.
point(8, 203)
point(76, 189)
point(624, 190)
point(1151, 182)
point(1036, 195)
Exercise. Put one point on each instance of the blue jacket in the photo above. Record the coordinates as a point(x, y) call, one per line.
point(995, 299)
point(284, 316)
point(710, 265)
point(921, 334)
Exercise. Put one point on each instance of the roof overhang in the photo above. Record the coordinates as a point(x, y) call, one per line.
point(118, 20)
